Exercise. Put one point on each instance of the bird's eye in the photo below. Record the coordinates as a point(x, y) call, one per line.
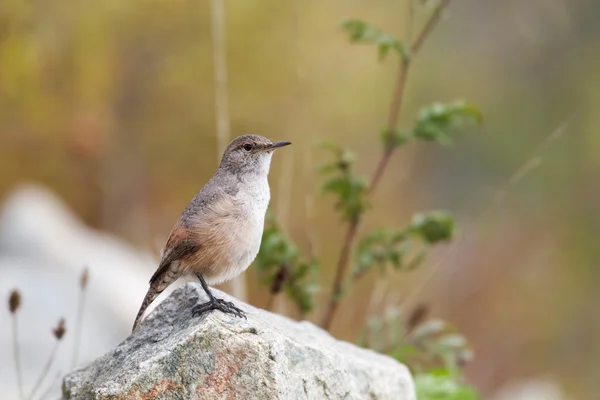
point(247, 147)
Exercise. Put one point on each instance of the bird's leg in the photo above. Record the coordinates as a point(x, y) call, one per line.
point(214, 303)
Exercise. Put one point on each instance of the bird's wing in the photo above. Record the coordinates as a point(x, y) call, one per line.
point(178, 245)
point(204, 227)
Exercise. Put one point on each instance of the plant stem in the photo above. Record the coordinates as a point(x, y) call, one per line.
point(339, 275)
point(223, 126)
point(45, 394)
point(393, 117)
point(45, 370)
point(270, 302)
point(17, 356)
point(78, 327)
point(395, 108)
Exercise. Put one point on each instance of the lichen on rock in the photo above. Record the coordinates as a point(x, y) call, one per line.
point(176, 356)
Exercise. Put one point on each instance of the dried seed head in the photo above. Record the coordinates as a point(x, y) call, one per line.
point(60, 329)
point(280, 278)
point(83, 280)
point(417, 316)
point(14, 301)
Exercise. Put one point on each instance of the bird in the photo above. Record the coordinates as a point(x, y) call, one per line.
point(219, 232)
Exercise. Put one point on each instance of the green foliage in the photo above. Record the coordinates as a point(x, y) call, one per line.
point(440, 121)
point(433, 227)
point(280, 265)
point(361, 32)
point(349, 188)
point(393, 139)
point(433, 349)
point(388, 247)
point(384, 247)
point(440, 385)
point(301, 285)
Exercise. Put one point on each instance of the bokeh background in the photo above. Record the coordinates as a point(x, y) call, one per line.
point(110, 105)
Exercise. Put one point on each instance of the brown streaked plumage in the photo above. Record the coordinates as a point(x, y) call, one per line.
point(218, 234)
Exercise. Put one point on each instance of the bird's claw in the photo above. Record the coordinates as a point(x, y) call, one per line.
point(226, 307)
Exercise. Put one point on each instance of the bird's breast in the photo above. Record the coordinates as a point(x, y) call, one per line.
point(245, 230)
point(253, 203)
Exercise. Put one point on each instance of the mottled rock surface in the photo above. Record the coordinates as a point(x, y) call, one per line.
point(267, 356)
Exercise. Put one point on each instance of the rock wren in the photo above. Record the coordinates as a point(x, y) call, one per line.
point(218, 234)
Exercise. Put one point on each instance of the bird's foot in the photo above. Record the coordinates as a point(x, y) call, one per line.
point(218, 304)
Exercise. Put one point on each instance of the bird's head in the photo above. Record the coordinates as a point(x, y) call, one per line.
point(250, 154)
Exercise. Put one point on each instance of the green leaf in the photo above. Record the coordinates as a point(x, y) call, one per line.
point(433, 227)
point(337, 184)
point(452, 341)
point(440, 121)
point(394, 139)
point(429, 328)
point(276, 252)
point(432, 386)
point(360, 32)
point(350, 190)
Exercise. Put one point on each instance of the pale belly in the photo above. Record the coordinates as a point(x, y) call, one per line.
point(246, 235)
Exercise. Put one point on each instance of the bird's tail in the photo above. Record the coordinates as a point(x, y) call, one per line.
point(159, 282)
point(151, 295)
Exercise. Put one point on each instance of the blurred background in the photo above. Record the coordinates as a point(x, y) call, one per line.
point(108, 127)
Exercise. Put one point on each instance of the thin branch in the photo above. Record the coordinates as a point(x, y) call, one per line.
point(17, 355)
point(410, 21)
point(309, 207)
point(46, 392)
point(220, 75)
point(45, 370)
point(339, 275)
point(284, 197)
point(429, 26)
point(307, 155)
point(270, 301)
point(531, 164)
point(395, 108)
point(378, 295)
point(79, 317)
point(393, 117)
point(237, 285)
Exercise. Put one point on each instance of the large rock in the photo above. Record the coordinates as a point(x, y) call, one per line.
point(175, 356)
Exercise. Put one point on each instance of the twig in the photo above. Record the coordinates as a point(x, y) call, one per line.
point(393, 117)
point(238, 285)
point(45, 370)
point(378, 295)
point(17, 355)
point(309, 207)
point(410, 21)
point(284, 197)
point(532, 163)
point(429, 26)
point(396, 104)
point(46, 392)
point(283, 210)
point(270, 301)
point(339, 275)
point(307, 155)
point(79, 318)
point(220, 75)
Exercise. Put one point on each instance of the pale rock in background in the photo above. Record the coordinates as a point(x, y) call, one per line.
point(43, 251)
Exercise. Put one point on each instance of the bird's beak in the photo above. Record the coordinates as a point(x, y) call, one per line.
point(277, 145)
